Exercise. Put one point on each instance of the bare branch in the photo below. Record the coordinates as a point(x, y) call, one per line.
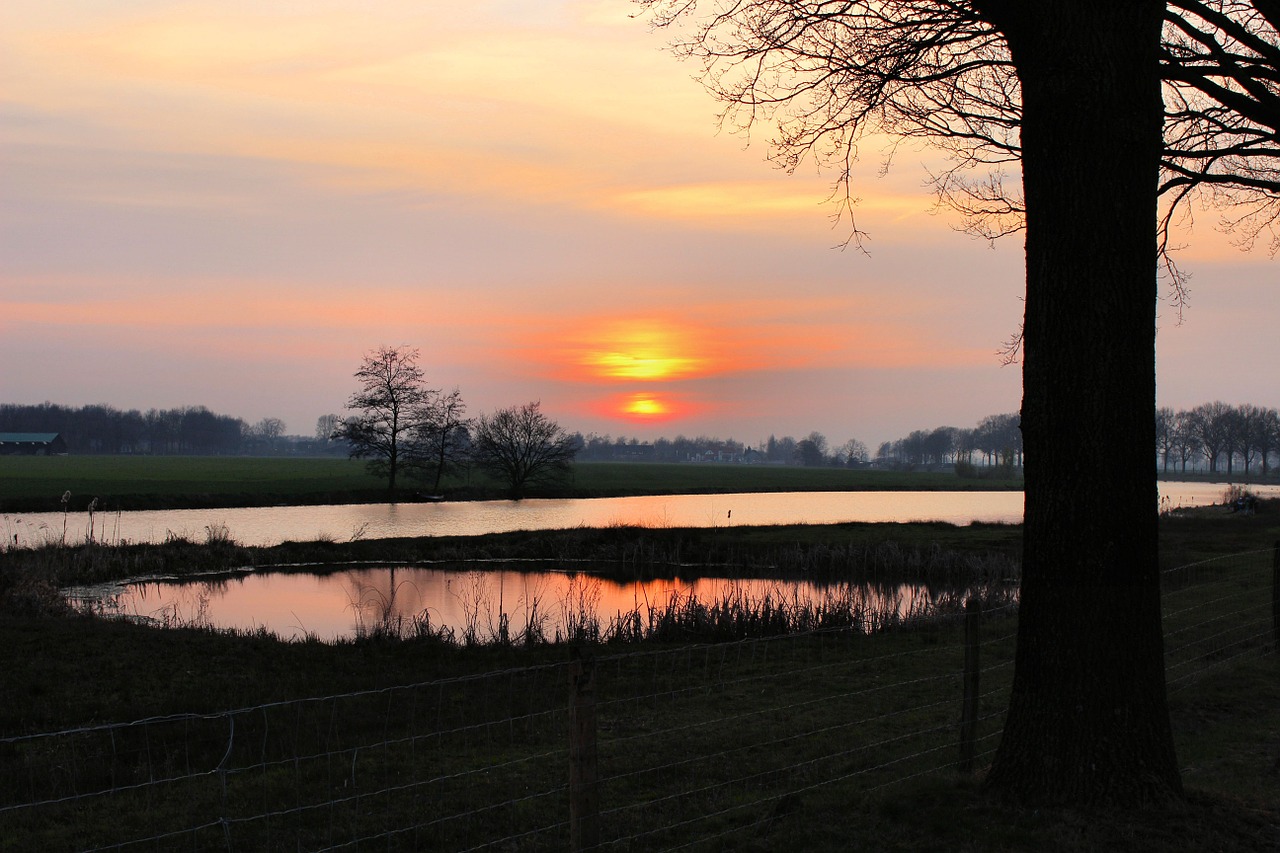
point(822, 74)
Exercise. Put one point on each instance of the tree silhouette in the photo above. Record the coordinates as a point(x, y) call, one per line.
point(520, 445)
point(388, 410)
point(1072, 93)
point(442, 436)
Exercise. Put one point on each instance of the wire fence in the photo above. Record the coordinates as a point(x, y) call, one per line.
point(660, 749)
point(1217, 611)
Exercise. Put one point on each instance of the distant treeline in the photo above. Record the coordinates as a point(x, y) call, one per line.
point(1213, 437)
point(995, 441)
point(812, 450)
point(190, 430)
point(1216, 437)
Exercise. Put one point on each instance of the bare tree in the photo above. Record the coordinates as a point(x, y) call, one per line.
point(853, 452)
point(1164, 435)
point(442, 439)
point(1000, 438)
point(886, 453)
point(780, 449)
point(1185, 441)
point(1247, 420)
point(269, 428)
point(326, 425)
point(1266, 436)
point(387, 410)
point(966, 444)
point(1072, 91)
point(265, 432)
point(1210, 424)
point(1233, 437)
point(941, 445)
point(1222, 101)
point(811, 450)
point(522, 446)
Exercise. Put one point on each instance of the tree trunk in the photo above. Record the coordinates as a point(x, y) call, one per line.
point(1087, 720)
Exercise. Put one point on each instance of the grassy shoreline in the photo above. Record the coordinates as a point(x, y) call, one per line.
point(772, 551)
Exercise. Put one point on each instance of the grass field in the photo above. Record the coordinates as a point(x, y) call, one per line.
point(154, 480)
point(31, 483)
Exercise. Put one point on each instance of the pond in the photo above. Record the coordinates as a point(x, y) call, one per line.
point(475, 602)
point(272, 525)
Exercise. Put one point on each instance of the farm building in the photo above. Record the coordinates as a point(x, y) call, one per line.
point(32, 444)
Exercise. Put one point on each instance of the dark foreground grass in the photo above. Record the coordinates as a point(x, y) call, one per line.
point(30, 483)
point(787, 716)
point(784, 713)
point(1209, 532)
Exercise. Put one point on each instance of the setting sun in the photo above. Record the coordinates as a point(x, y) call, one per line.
point(646, 406)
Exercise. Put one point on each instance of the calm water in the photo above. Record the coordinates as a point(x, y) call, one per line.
point(342, 604)
point(272, 525)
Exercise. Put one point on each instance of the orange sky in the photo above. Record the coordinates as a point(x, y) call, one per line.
point(228, 203)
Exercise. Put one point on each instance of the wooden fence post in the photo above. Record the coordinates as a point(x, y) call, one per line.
point(1275, 595)
point(584, 793)
point(969, 711)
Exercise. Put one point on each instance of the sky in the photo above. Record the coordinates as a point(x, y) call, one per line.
point(229, 203)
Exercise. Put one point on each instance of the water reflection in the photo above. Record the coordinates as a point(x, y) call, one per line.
point(272, 525)
point(481, 606)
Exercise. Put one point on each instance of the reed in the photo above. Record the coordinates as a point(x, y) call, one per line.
point(732, 615)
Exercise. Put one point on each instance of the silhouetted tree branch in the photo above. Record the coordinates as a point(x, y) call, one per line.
point(522, 446)
point(1102, 105)
point(1222, 122)
point(442, 441)
point(388, 410)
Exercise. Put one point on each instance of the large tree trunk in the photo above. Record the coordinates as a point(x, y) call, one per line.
point(1087, 721)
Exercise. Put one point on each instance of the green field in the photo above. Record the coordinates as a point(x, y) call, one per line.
point(32, 483)
point(191, 480)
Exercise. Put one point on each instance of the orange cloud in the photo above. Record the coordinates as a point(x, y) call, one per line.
point(640, 349)
point(646, 350)
point(652, 354)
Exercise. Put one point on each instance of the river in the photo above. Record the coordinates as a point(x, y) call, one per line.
point(344, 522)
point(348, 602)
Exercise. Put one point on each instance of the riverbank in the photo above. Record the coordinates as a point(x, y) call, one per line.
point(773, 551)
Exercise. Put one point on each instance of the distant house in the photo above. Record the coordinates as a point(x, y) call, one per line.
point(32, 444)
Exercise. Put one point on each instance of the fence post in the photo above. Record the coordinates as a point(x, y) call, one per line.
point(1275, 594)
point(584, 794)
point(969, 711)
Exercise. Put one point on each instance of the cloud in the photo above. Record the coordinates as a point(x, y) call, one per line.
point(232, 201)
